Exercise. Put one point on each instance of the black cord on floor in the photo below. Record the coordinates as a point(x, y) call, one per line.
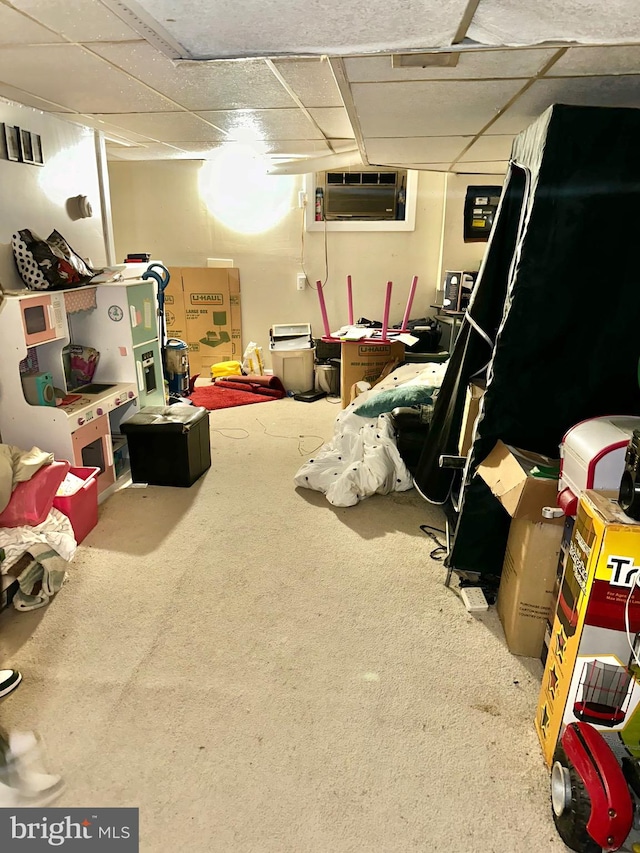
point(441, 549)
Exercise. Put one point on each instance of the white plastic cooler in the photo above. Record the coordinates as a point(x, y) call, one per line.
point(293, 355)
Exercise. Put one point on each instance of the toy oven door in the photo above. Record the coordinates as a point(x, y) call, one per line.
point(92, 448)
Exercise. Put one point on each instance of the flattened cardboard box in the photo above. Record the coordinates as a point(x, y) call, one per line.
point(364, 362)
point(204, 304)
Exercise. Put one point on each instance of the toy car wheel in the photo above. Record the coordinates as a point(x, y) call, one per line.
point(570, 805)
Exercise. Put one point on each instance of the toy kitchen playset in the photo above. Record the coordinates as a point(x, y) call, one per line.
point(75, 365)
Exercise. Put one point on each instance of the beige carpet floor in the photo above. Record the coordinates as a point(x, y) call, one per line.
point(261, 672)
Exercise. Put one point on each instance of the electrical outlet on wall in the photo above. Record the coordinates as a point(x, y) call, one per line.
point(301, 281)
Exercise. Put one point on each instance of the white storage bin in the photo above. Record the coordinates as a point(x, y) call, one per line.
point(294, 368)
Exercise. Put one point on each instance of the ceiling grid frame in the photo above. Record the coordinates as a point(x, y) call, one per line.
point(277, 143)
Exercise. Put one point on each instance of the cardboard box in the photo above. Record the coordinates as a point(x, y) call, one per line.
point(471, 409)
point(525, 595)
point(591, 674)
point(364, 362)
point(508, 473)
point(203, 309)
point(174, 313)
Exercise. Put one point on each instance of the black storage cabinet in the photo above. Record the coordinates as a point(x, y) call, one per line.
point(168, 445)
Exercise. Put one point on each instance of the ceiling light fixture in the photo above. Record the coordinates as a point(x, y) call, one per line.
point(237, 191)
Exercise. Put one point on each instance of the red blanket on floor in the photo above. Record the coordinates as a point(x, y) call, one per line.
point(231, 391)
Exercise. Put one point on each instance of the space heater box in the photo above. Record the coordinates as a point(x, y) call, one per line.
point(592, 457)
point(591, 674)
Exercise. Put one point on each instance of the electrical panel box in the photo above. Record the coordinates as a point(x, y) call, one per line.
point(480, 206)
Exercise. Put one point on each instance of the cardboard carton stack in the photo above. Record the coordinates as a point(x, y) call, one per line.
point(203, 309)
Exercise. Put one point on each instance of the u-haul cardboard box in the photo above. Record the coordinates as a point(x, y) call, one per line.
point(591, 673)
point(203, 309)
point(365, 362)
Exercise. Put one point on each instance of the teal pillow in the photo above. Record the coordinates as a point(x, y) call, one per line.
point(403, 395)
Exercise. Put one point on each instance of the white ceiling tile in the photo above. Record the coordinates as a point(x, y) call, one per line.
point(339, 146)
point(489, 148)
point(11, 93)
point(290, 27)
point(165, 127)
point(584, 21)
point(312, 80)
point(200, 85)
point(263, 124)
point(18, 29)
point(483, 168)
point(434, 149)
point(422, 167)
point(105, 126)
point(152, 151)
point(78, 20)
point(288, 148)
point(492, 168)
point(333, 121)
point(598, 60)
point(73, 78)
point(472, 65)
point(428, 108)
point(583, 91)
point(202, 150)
point(298, 147)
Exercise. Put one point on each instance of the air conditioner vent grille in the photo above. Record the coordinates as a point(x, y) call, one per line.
point(362, 178)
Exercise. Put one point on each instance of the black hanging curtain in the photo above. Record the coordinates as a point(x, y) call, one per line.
point(555, 311)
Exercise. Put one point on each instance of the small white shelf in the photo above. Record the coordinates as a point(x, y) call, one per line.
point(406, 224)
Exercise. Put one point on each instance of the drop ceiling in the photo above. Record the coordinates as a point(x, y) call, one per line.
point(428, 84)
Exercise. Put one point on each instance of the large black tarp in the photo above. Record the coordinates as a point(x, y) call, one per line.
point(555, 311)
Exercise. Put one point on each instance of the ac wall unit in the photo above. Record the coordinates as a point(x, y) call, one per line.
point(361, 195)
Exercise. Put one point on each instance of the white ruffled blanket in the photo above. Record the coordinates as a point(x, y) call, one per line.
point(362, 458)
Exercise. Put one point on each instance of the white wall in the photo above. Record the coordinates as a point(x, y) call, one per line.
point(157, 209)
point(35, 197)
